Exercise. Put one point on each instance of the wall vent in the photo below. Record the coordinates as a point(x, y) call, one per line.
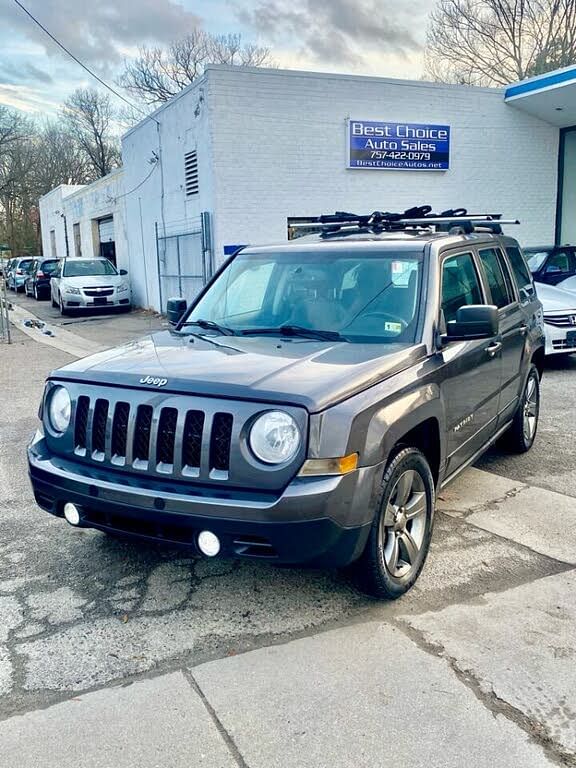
point(191, 173)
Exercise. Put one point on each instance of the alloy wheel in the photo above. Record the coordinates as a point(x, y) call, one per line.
point(403, 524)
point(530, 409)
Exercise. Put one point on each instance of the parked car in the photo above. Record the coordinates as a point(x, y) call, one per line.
point(80, 283)
point(309, 404)
point(559, 308)
point(553, 265)
point(18, 272)
point(37, 282)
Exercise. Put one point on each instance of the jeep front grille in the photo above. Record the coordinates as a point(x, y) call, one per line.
point(159, 439)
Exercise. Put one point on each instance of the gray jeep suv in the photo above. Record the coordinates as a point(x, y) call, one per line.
point(310, 402)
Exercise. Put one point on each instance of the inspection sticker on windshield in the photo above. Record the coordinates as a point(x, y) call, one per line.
point(398, 267)
point(393, 327)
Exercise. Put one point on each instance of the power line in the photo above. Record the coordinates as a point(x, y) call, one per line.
point(77, 60)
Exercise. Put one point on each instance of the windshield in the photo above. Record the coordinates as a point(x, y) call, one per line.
point(365, 297)
point(535, 260)
point(88, 267)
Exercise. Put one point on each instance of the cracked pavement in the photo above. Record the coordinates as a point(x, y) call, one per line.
point(124, 654)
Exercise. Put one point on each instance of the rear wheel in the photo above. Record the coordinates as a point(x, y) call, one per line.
point(522, 433)
point(399, 540)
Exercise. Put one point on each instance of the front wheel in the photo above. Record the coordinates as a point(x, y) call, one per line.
point(399, 540)
point(63, 311)
point(522, 433)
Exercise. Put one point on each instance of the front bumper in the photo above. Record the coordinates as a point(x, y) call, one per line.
point(78, 301)
point(322, 521)
point(558, 340)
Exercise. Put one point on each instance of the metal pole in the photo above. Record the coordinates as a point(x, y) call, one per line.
point(179, 266)
point(4, 310)
point(158, 268)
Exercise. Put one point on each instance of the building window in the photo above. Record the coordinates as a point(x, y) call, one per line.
point(191, 182)
point(77, 240)
point(53, 244)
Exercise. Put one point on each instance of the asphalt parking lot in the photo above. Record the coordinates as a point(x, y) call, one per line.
point(81, 612)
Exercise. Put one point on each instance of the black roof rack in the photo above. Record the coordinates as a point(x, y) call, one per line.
point(415, 220)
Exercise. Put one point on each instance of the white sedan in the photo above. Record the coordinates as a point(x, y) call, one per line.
point(83, 283)
point(559, 308)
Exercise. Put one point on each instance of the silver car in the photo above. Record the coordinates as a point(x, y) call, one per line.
point(559, 318)
point(83, 283)
point(17, 273)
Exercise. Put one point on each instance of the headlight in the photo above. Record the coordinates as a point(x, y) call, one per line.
point(122, 287)
point(59, 408)
point(275, 437)
point(70, 289)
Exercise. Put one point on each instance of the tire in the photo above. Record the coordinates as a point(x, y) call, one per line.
point(36, 294)
point(397, 547)
point(522, 433)
point(63, 312)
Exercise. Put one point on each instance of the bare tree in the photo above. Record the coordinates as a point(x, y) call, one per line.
point(59, 159)
point(157, 74)
point(89, 116)
point(496, 42)
point(14, 128)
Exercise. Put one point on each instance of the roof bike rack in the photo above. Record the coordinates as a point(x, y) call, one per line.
point(415, 220)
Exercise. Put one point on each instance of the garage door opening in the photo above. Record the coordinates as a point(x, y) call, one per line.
point(107, 240)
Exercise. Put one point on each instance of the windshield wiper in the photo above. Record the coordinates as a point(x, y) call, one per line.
point(210, 325)
point(294, 330)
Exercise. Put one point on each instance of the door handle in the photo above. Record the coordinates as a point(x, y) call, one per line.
point(523, 330)
point(493, 349)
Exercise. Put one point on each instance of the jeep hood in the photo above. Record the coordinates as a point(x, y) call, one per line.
point(314, 374)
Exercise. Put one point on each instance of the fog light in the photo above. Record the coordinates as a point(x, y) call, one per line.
point(71, 513)
point(208, 543)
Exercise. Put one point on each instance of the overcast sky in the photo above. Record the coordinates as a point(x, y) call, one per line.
point(381, 37)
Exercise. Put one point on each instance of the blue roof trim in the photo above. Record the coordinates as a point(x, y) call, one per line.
point(546, 81)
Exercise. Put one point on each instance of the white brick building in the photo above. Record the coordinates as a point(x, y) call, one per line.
point(254, 148)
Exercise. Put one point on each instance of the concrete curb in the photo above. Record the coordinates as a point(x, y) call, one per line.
point(65, 341)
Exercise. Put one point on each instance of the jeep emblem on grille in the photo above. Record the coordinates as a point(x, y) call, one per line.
point(152, 382)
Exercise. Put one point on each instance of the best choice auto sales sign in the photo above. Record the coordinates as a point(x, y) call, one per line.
point(398, 146)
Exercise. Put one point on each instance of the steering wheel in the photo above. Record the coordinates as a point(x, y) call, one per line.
point(387, 318)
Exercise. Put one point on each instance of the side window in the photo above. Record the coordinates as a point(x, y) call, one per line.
point(500, 288)
point(521, 273)
point(460, 284)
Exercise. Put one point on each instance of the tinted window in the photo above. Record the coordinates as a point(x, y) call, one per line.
point(367, 297)
point(499, 286)
point(460, 284)
point(88, 267)
point(521, 272)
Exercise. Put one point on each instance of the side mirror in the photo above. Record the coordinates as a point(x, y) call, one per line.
point(476, 321)
point(123, 271)
point(175, 309)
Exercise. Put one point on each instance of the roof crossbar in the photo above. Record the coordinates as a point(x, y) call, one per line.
point(454, 221)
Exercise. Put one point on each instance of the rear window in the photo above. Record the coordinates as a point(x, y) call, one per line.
point(49, 267)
